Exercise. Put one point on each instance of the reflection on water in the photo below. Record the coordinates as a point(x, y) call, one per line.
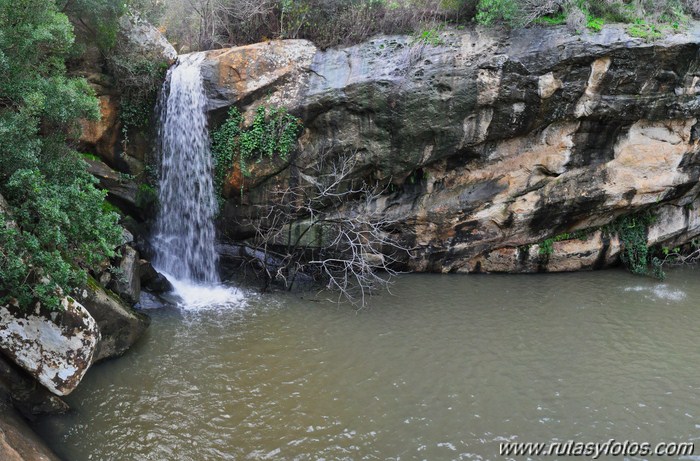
point(444, 369)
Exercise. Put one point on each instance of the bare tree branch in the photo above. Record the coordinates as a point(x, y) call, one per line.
point(324, 229)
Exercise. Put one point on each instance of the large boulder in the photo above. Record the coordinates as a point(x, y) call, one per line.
point(120, 325)
point(121, 192)
point(127, 283)
point(490, 142)
point(56, 347)
point(152, 280)
point(146, 38)
point(20, 388)
point(18, 442)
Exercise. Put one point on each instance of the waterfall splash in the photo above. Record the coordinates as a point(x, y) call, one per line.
point(184, 238)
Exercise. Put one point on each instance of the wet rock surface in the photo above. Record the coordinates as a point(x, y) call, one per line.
point(152, 280)
point(17, 440)
point(120, 326)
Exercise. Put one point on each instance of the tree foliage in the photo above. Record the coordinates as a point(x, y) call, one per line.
point(53, 224)
point(97, 19)
point(325, 228)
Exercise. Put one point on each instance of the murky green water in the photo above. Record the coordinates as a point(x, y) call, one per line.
point(444, 369)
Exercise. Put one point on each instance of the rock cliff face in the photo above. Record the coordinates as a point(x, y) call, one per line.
point(125, 150)
point(492, 141)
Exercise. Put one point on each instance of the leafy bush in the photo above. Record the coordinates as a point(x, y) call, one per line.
point(491, 11)
point(54, 225)
point(97, 19)
point(595, 23)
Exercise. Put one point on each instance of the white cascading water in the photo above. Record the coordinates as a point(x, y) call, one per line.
point(184, 238)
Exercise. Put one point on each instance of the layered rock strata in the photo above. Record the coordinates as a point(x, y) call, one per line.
point(492, 142)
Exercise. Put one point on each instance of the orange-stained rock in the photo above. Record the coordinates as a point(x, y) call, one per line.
point(101, 135)
point(270, 71)
point(257, 174)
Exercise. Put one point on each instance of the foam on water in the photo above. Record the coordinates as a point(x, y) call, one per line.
point(194, 296)
point(660, 291)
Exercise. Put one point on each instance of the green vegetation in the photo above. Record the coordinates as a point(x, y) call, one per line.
point(429, 37)
point(54, 225)
point(670, 251)
point(92, 157)
point(110, 208)
point(552, 20)
point(273, 132)
point(146, 197)
point(96, 20)
point(632, 232)
point(594, 23)
point(137, 77)
point(493, 11)
point(546, 247)
point(644, 30)
point(684, 254)
point(647, 17)
point(138, 80)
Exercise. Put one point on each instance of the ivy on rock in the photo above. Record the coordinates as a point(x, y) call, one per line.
point(273, 131)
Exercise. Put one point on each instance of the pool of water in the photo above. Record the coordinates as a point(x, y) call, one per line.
point(445, 368)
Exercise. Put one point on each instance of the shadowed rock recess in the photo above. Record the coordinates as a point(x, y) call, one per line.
point(493, 141)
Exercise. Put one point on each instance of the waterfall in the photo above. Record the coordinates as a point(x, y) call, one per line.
point(184, 234)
